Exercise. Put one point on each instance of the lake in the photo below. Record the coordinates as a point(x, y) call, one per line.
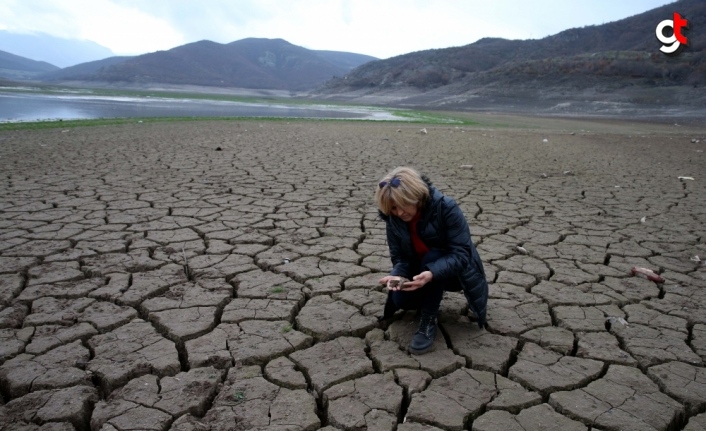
point(25, 106)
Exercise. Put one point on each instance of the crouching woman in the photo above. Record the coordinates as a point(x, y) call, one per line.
point(430, 245)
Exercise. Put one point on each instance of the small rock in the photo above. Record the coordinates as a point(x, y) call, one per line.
point(466, 166)
point(615, 319)
point(522, 249)
point(568, 173)
point(545, 140)
point(423, 131)
point(219, 149)
point(643, 219)
point(686, 178)
point(397, 282)
point(545, 176)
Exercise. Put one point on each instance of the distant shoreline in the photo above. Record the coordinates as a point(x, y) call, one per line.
point(569, 107)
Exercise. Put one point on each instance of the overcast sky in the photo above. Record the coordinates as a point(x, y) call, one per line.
point(381, 28)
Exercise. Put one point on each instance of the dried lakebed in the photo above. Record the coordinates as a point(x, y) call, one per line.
point(222, 276)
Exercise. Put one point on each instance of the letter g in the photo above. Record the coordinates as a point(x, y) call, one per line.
point(669, 44)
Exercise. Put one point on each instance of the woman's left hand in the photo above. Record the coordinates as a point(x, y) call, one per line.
point(418, 281)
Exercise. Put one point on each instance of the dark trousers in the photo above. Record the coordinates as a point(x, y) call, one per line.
point(427, 299)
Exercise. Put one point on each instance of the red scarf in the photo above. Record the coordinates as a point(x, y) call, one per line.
point(419, 247)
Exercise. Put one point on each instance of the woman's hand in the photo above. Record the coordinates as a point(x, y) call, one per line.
point(418, 281)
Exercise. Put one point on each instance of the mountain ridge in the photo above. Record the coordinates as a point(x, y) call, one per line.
point(17, 67)
point(614, 61)
point(255, 63)
point(84, 70)
point(490, 53)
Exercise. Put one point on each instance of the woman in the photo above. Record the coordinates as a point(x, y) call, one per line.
point(430, 244)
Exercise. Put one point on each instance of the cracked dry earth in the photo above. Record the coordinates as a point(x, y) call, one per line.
point(222, 276)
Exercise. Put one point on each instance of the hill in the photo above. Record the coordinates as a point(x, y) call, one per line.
point(248, 63)
point(54, 50)
point(622, 55)
point(16, 67)
point(82, 71)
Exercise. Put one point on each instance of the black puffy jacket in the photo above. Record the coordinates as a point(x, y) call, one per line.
point(442, 226)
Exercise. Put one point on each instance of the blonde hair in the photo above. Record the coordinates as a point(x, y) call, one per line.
point(408, 188)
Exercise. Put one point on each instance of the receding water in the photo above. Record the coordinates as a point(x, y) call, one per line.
point(37, 107)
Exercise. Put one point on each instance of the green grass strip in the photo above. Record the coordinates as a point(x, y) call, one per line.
point(410, 116)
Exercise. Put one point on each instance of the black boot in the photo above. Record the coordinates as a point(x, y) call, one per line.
point(423, 339)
